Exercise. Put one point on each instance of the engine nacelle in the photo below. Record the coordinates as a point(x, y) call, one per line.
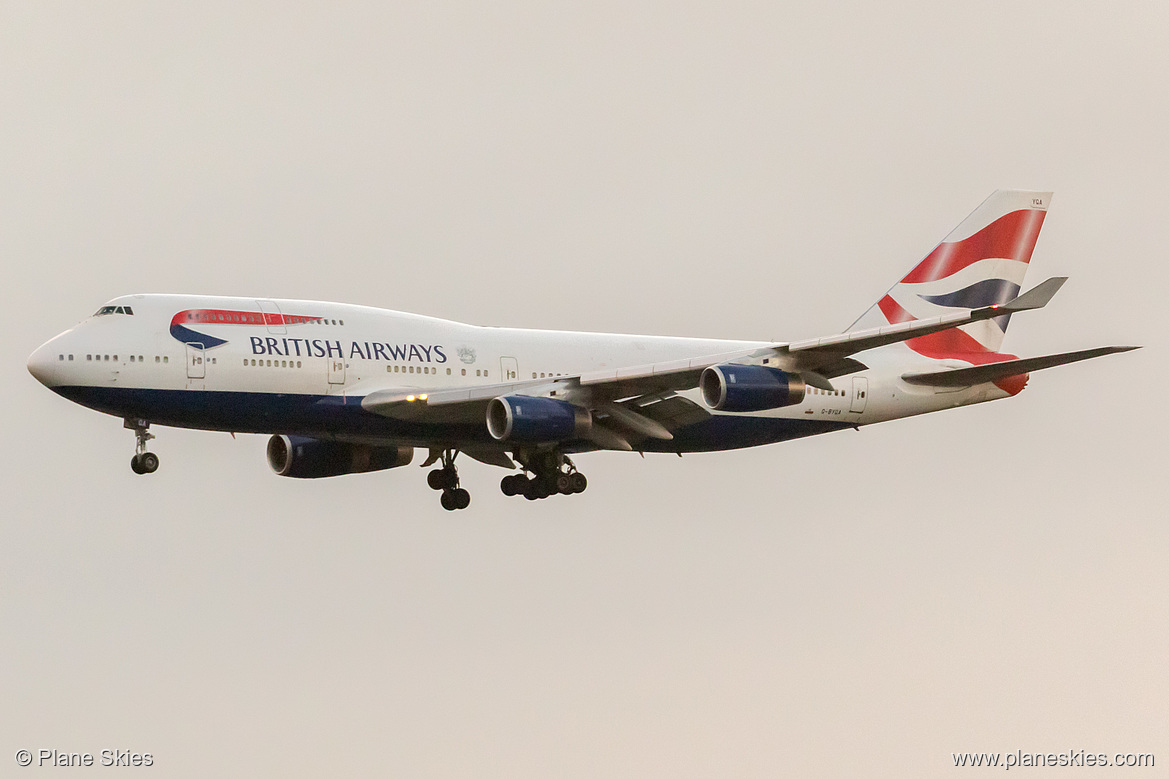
point(522, 418)
point(309, 458)
point(749, 388)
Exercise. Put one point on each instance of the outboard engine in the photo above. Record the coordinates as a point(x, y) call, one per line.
point(522, 418)
point(749, 388)
point(309, 458)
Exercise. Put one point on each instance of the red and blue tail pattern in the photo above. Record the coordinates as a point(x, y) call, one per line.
point(981, 262)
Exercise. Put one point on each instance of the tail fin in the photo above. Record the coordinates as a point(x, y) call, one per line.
point(980, 263)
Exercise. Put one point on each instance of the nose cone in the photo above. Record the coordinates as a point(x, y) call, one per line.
point(42, 364)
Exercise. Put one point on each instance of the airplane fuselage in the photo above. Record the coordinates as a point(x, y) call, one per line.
point(253, 365)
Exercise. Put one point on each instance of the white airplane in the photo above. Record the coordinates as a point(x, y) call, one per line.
point(349, 389)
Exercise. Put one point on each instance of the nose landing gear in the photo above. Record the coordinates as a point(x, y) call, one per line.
point(142, 462)
point(446, 479)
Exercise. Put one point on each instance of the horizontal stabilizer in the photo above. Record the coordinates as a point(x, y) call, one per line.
point(1035, 298)
point(980, 374)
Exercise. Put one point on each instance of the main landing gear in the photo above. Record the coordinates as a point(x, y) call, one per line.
point(552, 474)
point(143, 461)
point(446, 479)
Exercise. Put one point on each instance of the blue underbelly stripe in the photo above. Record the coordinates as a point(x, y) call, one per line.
point(328, 416)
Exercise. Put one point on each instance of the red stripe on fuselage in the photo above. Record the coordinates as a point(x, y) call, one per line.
point(1011, 237)
point(222, 316)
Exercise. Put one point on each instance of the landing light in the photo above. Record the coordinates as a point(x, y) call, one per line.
point(409, 398)
point(422, 397)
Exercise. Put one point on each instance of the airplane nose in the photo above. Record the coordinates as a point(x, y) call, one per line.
point(41, 366)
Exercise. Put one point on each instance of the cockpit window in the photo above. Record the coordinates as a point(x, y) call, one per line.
point(107, 310)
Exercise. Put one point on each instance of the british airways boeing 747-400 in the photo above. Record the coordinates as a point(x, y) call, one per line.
point(349, 389)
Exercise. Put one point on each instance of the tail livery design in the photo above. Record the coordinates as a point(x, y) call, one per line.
point(982, 262)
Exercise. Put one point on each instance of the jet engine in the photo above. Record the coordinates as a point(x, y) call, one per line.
point(749, 387)
point(522, 418)
point(309, 458)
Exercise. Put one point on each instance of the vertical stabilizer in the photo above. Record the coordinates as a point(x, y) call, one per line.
point(981, 262)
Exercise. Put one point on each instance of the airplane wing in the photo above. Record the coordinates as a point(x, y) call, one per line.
point(621, 397)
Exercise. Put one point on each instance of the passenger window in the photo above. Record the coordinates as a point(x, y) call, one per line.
point(448, 370)
point(115, 358)
point(60, 358)
point(70, 358)
point(463, 372)
point(131, 358)
point(298, 363)
point(342, 322)
point(89, 358)
point(166, 359)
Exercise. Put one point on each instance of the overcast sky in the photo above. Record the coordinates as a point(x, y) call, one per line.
point(861, 604)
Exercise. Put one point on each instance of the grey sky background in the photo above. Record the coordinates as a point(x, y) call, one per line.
point(988, 579)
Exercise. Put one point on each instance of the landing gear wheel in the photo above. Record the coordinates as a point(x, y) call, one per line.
point(461, 498)
point(510, 485)
point(448, 500)
point(148, 462)
point(579, 482)
point(437, 479)
point(135, 466)
point(532, 489)
point(564, 484)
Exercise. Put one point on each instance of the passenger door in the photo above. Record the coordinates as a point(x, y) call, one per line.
point(860, 393)
point(336, 370)
point(196, 361)
point(509, 368)
point(273, 317)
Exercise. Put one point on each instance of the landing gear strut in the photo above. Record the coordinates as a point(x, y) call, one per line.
point(552, 474)
point(143, 461)
point(446, 479)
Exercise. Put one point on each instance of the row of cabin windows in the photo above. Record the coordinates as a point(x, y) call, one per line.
point(412, 369)
point(480, 372)
point(272, 363)
point(815, 391)
point(248, 318)
point(546, 376)
point(107, 358)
